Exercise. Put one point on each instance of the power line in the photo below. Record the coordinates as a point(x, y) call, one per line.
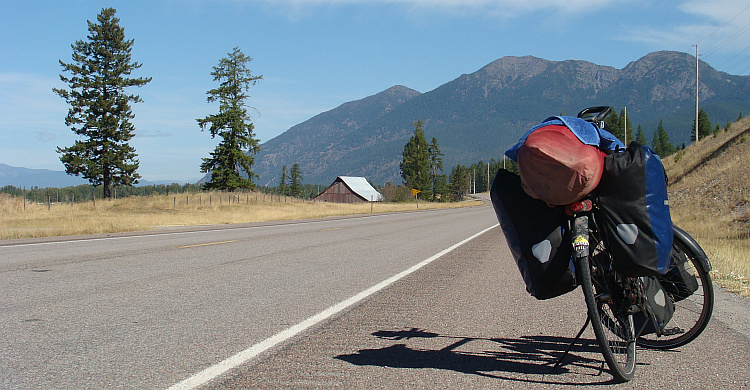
point(728, 40)
point(724, 25)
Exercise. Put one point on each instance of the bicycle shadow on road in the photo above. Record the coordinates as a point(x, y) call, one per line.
point(528, 356)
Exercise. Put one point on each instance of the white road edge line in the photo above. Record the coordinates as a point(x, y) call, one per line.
point(240, 358)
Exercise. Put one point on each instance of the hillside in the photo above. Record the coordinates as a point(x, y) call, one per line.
point(25, 177)
point(477, 116)
point(710, 198)
point(319, 142)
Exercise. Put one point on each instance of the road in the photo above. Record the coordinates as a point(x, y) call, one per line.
point(382, 301)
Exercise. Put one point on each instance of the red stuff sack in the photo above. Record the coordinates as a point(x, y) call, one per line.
point(556, 167)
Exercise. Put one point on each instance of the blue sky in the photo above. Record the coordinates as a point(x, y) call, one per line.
point(317, 54)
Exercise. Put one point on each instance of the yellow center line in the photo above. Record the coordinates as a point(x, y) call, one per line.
point(325, 230)
point(210, 243)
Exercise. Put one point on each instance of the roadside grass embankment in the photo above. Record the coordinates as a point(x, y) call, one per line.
point(709, 194)
point(19, 219)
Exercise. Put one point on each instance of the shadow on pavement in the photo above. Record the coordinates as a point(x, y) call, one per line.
point(535, 355)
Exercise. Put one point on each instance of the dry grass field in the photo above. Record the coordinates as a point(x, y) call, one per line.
point(145, 213)
point(709, 194)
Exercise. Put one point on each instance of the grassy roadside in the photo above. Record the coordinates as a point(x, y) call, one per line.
point(710, 199)
point(145, 213)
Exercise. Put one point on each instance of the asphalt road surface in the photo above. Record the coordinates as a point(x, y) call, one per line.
point(419, 300)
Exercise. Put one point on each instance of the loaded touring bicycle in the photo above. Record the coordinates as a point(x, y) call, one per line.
point(587, 211)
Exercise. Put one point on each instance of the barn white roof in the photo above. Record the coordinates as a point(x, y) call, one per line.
point(361, 187)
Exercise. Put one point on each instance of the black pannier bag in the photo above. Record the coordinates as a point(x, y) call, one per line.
point(678, 282)
point(534, 232)
point(633, 213)
point(658, 303)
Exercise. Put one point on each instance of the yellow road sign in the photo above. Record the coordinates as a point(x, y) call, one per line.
point(415, 192)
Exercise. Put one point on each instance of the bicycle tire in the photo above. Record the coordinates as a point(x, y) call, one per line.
point(692, 310)
point(613, 328)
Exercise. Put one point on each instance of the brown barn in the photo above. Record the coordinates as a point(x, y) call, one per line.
point(348, 189)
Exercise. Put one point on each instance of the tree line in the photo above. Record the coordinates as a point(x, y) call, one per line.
point(422, 170)
point(660, 142)
point(85, 193)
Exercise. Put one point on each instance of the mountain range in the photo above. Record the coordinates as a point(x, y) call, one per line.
point(20, 177)
point(479, 115)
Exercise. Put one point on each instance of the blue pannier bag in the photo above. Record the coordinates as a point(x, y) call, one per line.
point(536, 236)
point(633, 213)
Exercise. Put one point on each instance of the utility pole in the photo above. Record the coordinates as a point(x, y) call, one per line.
point(696, 92)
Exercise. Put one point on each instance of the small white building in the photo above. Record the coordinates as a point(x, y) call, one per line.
point(349, 189)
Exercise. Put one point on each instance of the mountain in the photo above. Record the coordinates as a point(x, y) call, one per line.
point(331, 140)
point(25, 177)
point(478, 115)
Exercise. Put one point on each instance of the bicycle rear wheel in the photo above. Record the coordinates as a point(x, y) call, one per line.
point(612, 324)
point(692, 309)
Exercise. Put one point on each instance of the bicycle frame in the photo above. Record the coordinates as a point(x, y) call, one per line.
point(610, 299)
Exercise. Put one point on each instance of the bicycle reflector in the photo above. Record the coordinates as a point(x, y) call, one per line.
point(579, 206)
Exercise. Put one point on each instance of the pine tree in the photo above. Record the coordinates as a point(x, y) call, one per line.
point(656, 143)
point(613, 124)
point(627, 128)
point(415, 166)
point(230, 162)
point(295, 185)
point(639, 136)
point(459, 182)
point(283, 189)
point(660, 143)
point(666, 147)
point(704, 126)
point(436, 164)
point(100, 109)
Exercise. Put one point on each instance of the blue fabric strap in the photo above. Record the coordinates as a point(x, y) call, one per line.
point(587, 132)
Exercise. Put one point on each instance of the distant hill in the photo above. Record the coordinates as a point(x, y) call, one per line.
point(478, 115)
point(24, 177)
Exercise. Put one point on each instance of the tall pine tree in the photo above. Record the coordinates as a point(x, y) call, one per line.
point(460, 182)
point(295, 181)
point(660, 143)
point(283, 187)
point(230, 162)
point(436, 164)
point(639, 136)
point(704, 126)
point(100, 108)
point(415, 166)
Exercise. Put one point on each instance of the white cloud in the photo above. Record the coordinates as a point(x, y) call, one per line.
point(718, 26)
point(720, 11)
